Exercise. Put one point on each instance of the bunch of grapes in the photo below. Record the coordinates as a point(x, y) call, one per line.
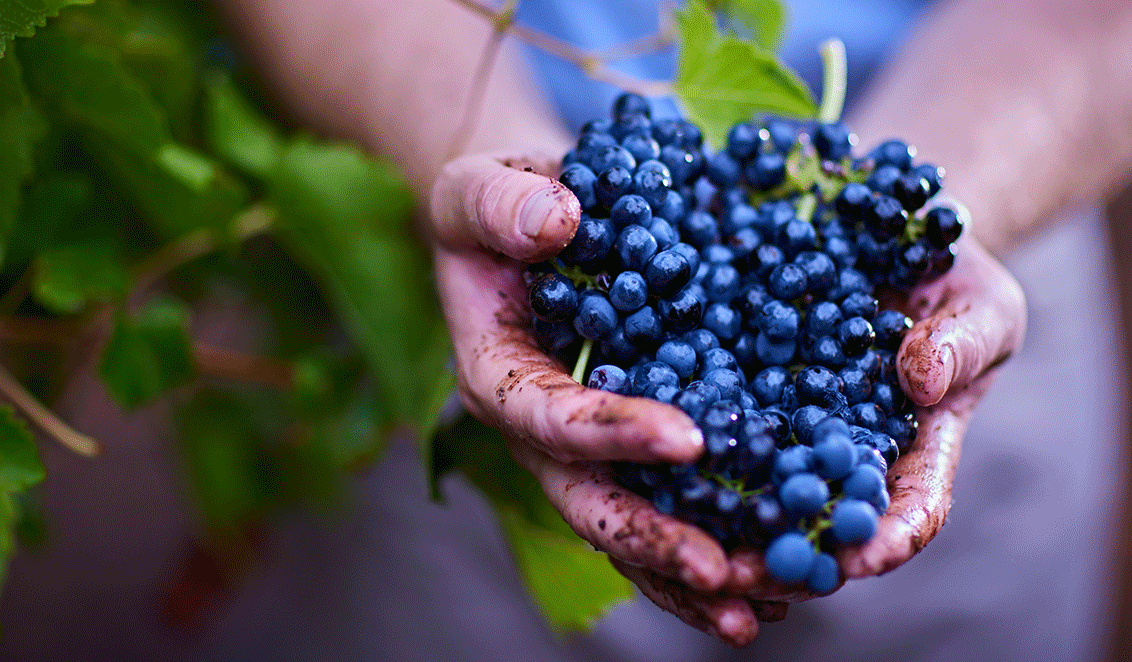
point(740, 286)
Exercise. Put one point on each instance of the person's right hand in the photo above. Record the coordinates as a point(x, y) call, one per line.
point(968, 323)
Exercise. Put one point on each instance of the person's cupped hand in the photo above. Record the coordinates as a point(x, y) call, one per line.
point(492, 214)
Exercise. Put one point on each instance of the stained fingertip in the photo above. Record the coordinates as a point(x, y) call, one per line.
point(702, 568)
point(549, 217)
point(885, 552)
point(927, 367)
point(744, 574)
point(695, 439)
point(736, 624)
point(679, 448)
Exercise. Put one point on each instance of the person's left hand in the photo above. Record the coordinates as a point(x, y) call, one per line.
point(491, 214)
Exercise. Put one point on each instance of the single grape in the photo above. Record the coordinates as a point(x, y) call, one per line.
point(853, 521)
point(790, 557)
point(824, 574)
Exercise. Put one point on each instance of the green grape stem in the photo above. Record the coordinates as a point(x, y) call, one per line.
point(581, 279)
point(834, 80)
point(806, 206)
point(816, 530)
point(583, 359)
point(914, 229)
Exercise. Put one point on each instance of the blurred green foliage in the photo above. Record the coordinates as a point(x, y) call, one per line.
point(133, 153)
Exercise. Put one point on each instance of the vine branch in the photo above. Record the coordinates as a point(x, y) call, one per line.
point(594, 64)
point(230, 364)
point(478, 90)
point(43, 418)
point(211, 360)
point(198, 243)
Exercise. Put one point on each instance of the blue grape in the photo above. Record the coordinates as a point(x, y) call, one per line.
point(803, 494)
point(789, 557)
point(853, 521)
point(824, 574)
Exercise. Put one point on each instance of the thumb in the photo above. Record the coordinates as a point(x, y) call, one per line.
point(972, 320)
point(506, 205)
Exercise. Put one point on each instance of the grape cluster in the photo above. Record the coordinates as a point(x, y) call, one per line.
point(740, 286)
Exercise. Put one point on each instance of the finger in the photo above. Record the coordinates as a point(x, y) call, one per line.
point(971, 320)
point(749, 577)
point(920, 487)
point(506, 205)
point(732, 620)
point(506, 380)
point(625, 525)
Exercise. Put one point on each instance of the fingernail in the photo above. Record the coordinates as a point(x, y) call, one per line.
point(698, 572)
point(742, 574)
point(537, 210)
point(695, 437)
point(686, 447)
point(731, 625)
point(737, 628)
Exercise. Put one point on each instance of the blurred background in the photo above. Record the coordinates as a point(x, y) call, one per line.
point(1023, 570)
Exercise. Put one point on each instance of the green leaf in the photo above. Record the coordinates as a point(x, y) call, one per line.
point(175, 194)
point(346, 217)
point(229, 470)
point(69, 276)
point(51, 204)
point(765, 19)
point(479, 452)
point(148, 354)
point(352, 434)
point(337, 407)
point(21, 126)
point(160, 49)
point(20, 467)
point(9, 517)
point(23, 18)
point(187, 165)
point(722, 80)
point(238, 132)
point(569, 581)
point(88, 87)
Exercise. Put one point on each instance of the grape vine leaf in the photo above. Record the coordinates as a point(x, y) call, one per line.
point(21, 126)
point(20, 467)
point(85, 86)
point(23, 18)
point(9, 519)
point(68, 276)
point(337, 407)
point(237, 131)
point(570, 582)
point(229, 470)
point(175, 194)
point(149, 353)
point(346, 217)
point(160, 46)
point(52, 204)
point(722, 80)
point(764, 19)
